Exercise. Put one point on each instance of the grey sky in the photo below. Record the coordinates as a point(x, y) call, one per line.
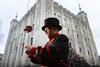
point(9, 8)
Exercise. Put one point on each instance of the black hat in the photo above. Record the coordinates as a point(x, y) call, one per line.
point(53, 22)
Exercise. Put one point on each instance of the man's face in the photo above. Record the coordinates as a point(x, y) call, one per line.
point(49, 31)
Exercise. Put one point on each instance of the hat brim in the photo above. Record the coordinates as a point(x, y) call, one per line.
point(59, 27)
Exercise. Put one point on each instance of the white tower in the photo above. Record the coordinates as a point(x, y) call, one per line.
point(44, 8)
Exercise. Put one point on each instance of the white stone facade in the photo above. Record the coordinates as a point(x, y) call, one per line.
point(1, 55)
point(76, 27)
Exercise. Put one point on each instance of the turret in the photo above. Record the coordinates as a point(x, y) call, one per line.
point(82, 15)
point(14, 22)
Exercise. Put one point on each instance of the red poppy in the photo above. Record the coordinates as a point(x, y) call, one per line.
point(28, 29)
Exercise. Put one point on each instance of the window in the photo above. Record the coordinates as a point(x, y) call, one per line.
point(77, 35)
point(55, 14)
point(95, 54)
point(34, 13)
point(83, 30)
point(0, 58)
point(22, 48)
point(88, 52)
point(68, 30)
point(58, 15)
point(85, 39)
point(31, 40)
point(65, 19)
point(70, 44)
point(76, 26)
point(33, 27)
point(80, 50)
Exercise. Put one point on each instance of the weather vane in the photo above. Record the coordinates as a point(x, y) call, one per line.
point(28, 5)
point(80, 8)
point(16, 15)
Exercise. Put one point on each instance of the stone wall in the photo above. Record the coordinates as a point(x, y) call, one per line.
point(1, 55)
point(76, 27)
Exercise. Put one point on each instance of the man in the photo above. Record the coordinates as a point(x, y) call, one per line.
point(55, 52)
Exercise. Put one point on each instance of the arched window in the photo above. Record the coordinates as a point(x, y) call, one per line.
point(31, 40)
point(85, 39)
point(77, 35)
point(55, 14)
point(68, 30)
point(22, 48)
point(88, 52)
point(80, 49)
point(70, 44)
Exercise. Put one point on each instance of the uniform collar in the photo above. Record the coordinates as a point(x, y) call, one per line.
point(53, 36)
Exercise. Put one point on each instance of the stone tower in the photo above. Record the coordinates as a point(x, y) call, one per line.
point(44, 8)
point(9, 53)
point(89, 44)
point(76, 27)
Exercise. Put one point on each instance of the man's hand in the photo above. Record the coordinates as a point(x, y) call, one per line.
point(28, 47)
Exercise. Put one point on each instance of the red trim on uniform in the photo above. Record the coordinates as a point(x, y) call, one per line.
point(41, 51)
point(47, 46)
point(33, 50)
point(53, 36)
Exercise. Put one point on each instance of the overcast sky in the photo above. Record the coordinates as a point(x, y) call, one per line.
point(9, 8)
